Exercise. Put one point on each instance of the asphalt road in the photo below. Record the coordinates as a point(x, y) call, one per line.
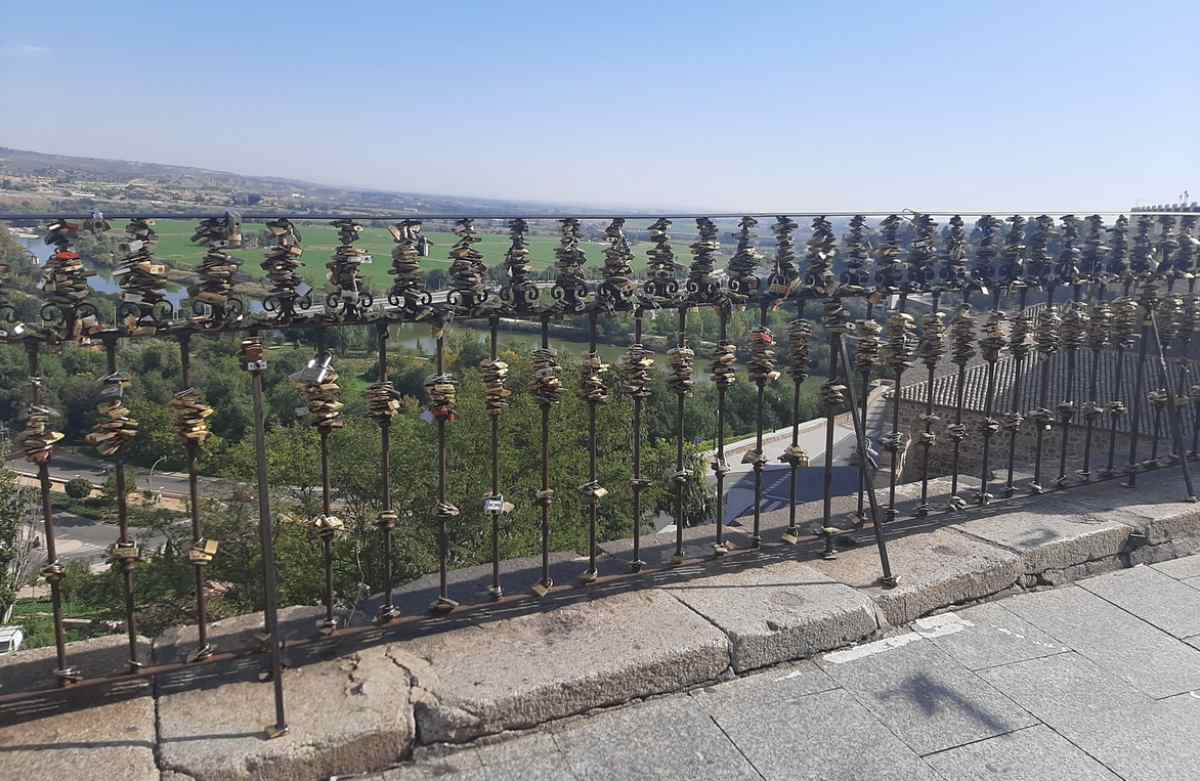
point(84, 539)
point(68, 465)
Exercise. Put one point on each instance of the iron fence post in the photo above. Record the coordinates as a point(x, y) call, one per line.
point(254, 361)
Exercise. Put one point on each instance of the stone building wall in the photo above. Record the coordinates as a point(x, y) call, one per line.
point(971, 450)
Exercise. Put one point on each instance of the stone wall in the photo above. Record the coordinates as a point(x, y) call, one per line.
point(971, 450)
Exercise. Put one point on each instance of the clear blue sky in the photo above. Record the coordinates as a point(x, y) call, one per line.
point(768, 105)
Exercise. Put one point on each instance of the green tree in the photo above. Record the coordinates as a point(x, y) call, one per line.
point(18, 534)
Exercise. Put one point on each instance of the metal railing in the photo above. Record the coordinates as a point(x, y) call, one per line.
point(1123, 293)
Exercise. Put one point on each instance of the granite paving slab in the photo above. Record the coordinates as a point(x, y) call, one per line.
point(1151, 742)
point(1181, 568)
point(348, 715)
point(177, 643)
point(668, 739)
point(92, 740)
point(658, 549)
point(986, 635)
point(1051, 535)
point(520, 672)
point(1151, 596)
point(779, 612)
point(827, 736)
point(469, 585)
point(1037, 753)
point(922, 695)
point(936, 570)
point(33, 668)
point(785, 683)
point(1124, 645)
point(1054, 688)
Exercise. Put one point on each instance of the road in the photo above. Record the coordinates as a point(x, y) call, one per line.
point(1096, 681)
point(67, 465)
point(85, 539)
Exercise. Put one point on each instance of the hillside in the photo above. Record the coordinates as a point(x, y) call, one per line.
point(35, 181)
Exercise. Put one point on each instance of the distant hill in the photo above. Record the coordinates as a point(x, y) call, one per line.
point(35, 181)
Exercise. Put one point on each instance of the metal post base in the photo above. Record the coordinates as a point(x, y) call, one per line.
point(68, 675)
point(275, 731)
point(542, 588)
point(589, 577)
point(386, 614)
point(202, 653)
point(443, 605)
point(830, 535)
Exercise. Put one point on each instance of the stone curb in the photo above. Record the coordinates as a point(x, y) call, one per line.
point(362, 709)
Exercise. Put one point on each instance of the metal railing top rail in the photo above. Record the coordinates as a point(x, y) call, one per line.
point(596, 215)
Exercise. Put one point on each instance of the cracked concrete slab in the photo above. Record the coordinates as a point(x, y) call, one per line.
point(780, 612)
point(939, 569)
point(520, 672)
point(348, 715)
point(91, 734)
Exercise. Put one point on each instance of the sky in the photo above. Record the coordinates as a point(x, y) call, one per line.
point(774, 105)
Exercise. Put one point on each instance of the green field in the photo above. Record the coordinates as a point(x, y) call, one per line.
point(320, 240)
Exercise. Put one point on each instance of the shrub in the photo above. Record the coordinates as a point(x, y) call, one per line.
point(79, 488)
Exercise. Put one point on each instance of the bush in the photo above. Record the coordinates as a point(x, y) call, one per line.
point(79, 488)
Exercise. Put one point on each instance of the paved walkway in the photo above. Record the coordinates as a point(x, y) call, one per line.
point(1095, 681)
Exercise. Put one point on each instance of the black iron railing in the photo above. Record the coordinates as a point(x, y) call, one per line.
point(917, 263)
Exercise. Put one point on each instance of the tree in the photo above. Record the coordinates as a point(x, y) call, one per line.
point(18, 535)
